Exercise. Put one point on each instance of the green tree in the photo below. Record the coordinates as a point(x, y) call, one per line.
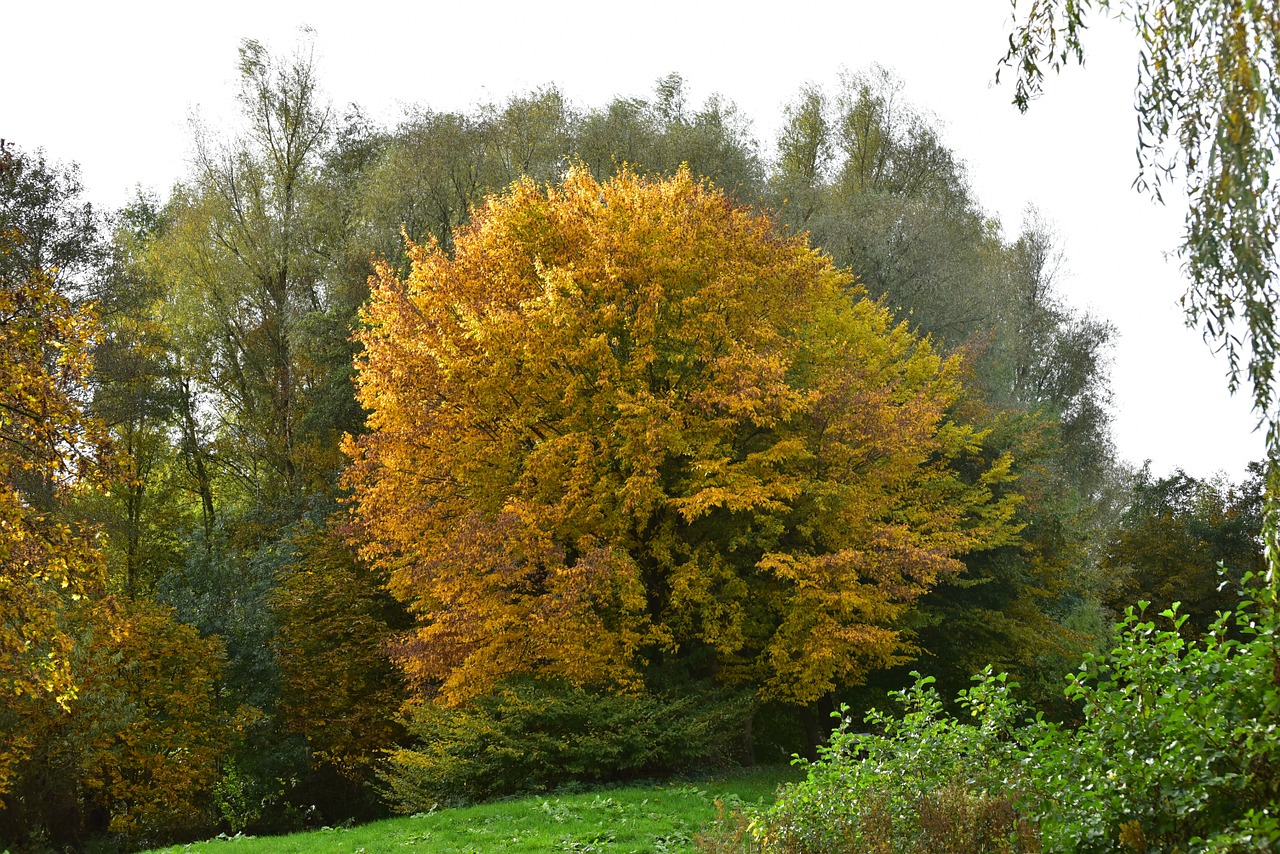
point(61, 232)
point(245, 257)
point(1177, 540)
point(436, 166)
point(657, 135)
point(137, 396)
point(867, 175)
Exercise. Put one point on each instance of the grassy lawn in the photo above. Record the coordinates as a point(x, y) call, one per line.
point(654, 817)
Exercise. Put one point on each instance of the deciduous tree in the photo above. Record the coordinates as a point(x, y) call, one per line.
point(47, 445)
point(138, 751)
point(632, 426)
point(1189, 541)
point(340, 689)
point(244, 258)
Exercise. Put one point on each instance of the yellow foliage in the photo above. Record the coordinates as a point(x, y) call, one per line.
point(143, 741)
point(149, 729)
point(46, 445)
point(629, 421)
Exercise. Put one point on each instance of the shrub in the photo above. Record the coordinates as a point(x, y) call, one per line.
point(924, 782)
point(534, 735)
point(1177, 750)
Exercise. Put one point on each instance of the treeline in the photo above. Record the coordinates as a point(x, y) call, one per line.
point(202, 632)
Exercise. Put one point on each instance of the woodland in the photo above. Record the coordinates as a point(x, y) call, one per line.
point(374, 469)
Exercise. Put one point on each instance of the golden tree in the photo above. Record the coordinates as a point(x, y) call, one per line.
point(631, 424)
point(46, 444)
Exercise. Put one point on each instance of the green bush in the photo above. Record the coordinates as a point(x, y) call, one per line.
point(532, 736)
point(1178, 749)
point(924, 782)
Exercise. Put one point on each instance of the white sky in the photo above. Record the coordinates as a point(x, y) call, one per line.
point(111, 85)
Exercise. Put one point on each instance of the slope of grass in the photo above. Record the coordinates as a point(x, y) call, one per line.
point(654, 817)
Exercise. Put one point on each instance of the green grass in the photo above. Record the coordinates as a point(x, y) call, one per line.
point(654, 817)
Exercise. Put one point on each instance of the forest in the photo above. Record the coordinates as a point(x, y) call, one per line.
point(378, 468)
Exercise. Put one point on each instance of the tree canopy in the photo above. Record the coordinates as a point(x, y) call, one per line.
point(630, 423)
point(47, 444)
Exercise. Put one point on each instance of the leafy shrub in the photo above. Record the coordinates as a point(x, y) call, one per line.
point(925, 782)
point(1176, 750)
point(534, 735)
point(1178, 747)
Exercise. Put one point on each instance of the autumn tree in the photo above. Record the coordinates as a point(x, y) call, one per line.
point(870, 178)
point(47, 446)
point(630, 426)
point(340, 689)
point(139, 750)
point(110, 708)
point(658, 134)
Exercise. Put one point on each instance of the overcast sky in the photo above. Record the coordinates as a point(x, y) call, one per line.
point(111, 86)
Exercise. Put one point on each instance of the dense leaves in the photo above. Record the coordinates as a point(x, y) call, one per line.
point(534, 736)
point(139, 750)
point(111, 720)
point(47, 445)
point(1188, 541)
point(629, 422)
point(1174, 752)
point(340, 689)
point(919, 782)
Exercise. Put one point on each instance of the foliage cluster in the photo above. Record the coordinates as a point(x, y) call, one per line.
point(920, 782)
point(46, 445)
point(339, 688)
point(531, 736)
point(1174, 539)
point(640, 425)
point(871, 180)
point(1177, 748)
point(1174, 751)
point(136, 753)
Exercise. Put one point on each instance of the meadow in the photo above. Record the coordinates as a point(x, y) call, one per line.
point(640, 818)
